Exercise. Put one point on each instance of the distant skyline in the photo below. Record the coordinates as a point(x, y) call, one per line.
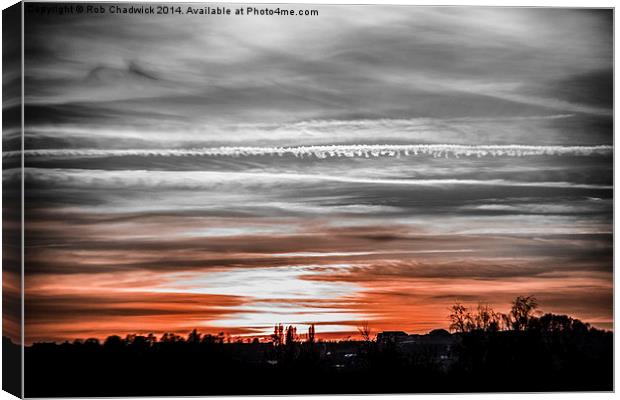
point(371, 163)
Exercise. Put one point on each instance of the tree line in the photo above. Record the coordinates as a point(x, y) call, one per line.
point(522, 350)
point(521, 317)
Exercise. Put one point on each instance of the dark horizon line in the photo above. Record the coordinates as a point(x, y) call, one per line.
point(229, 339)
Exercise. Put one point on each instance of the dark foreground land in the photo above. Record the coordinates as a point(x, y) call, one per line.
point(553, 357)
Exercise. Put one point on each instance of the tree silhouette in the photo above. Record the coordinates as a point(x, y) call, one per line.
point(557, 352)
point(486, 319)
point(365, 331)
point(552, 323)
point(311, 334)
point(114, 342)
point(291, 335)
point(521, 312)
point(278, 335)
point(171, 338)
point(460, 318)
point(193, 337)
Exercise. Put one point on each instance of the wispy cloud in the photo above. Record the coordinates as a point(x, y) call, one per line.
point(360, 150)
point(196, 180)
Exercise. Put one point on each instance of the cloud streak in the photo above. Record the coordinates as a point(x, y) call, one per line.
point(195, 180)
point(348, 151)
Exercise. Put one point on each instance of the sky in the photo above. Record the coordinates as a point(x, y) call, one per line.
point(371, 163)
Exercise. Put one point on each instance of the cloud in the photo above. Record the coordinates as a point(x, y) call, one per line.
point(68, 313)
point(416, 62)
point(196, 180)
point(434, 150)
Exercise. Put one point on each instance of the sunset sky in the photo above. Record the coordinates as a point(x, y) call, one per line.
point(180, 174)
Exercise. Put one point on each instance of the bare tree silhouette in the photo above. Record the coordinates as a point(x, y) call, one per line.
point(460, 318)
point(487, 319)
point(365, 331)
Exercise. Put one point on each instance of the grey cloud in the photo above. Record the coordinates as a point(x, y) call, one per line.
point(437, 62)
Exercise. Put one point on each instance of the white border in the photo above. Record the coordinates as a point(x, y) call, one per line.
point(509, 3)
